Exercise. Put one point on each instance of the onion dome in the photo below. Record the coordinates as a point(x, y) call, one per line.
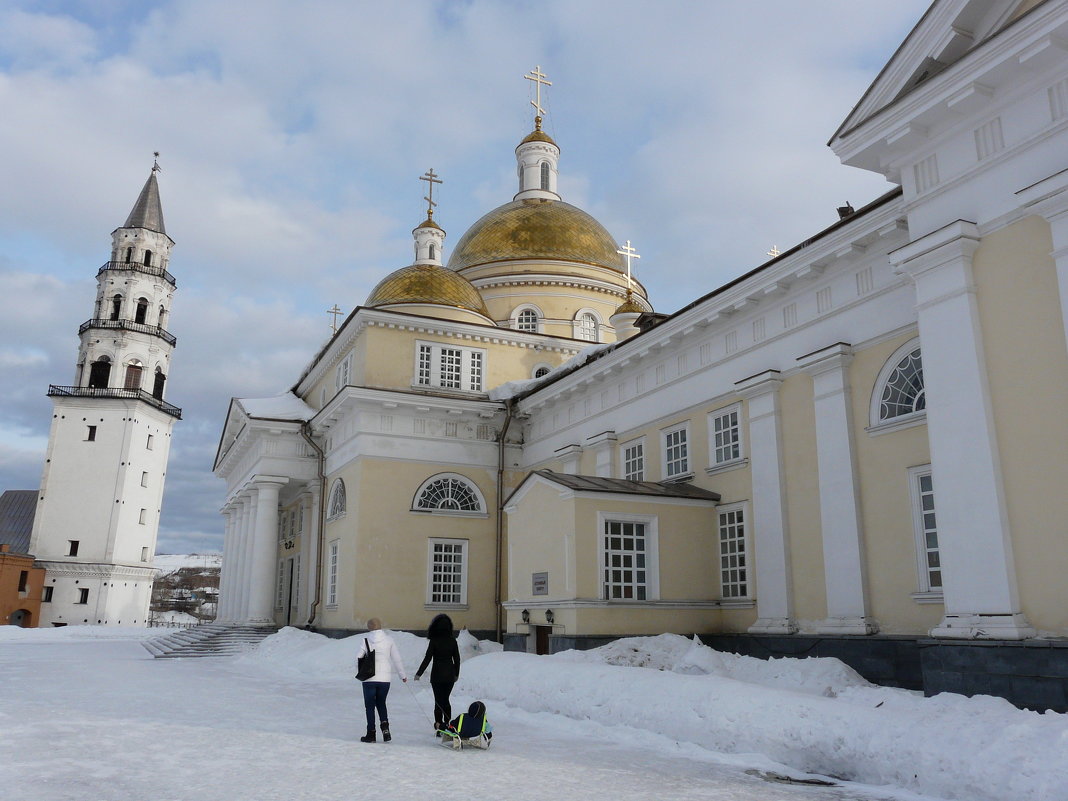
point(537, 229)
point(538, 135)
point(630, 306)
point(427, 284)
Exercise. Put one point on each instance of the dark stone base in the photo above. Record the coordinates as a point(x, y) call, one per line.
point(1032, 674)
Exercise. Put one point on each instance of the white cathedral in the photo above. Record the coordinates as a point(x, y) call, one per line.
point(857, 448)
point(97, 516)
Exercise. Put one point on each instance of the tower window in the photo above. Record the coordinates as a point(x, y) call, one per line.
point(73, 549)
point(141, 313)
point(116, 307)
point(46, 595)
point(142, 516)
point(129, 254)
point(545, 175)
point(144, 479)
point(148, 258)
point(83, 595)
point(433, 251)
point(587, 327)
point(90, 435)
point(133, 376)
point(148, 443)
point(157, 384)
point(100, 373)
point(144, 553)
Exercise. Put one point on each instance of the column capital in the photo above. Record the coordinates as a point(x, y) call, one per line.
point(260, 480)
point(953, 241)
point(833, 357)
point(760, 384)
point(605, 439)
point(1048, 197)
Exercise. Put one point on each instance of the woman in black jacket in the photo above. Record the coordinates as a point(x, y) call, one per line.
point(446, 670)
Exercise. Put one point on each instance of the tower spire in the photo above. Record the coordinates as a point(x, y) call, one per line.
point(429, 236)
point(148, 210)
point(538, 155)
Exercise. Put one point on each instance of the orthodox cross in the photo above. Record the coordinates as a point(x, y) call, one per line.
point(334, 311)
point(431, 178)
point(628, 253)
point(155, 162)
point(774, 251)
point(538, 77)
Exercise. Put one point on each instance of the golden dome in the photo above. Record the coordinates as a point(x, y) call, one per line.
point(629, 306)
point(538, 135)
point(427, 283)
point(428, 223)
point(536, 229)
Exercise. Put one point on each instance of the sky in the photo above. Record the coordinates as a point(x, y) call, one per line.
point(292, 137)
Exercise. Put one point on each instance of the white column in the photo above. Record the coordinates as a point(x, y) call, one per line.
point(771, 548)
point(603, 446)
point(1049, 198)
point(245, 538)
point(263, 571)
point(226, 572)
point(974, 542)
point(844, 566)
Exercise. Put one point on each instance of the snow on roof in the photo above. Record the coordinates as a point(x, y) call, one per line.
point(509, 389)
point(286, 406)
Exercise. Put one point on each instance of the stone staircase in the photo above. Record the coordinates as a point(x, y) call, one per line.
point(212, 639)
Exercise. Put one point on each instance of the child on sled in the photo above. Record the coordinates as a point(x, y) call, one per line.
point(470, 730)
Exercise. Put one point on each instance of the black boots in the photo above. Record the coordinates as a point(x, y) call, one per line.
point(370, 736)
point(385, 733)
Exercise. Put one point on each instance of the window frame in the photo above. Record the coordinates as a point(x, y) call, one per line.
point(522, 309)
point(652, 558)
point(715, 464)
point(876, 425)
point(638, 442)
point(482, 511)
point(338, 486)
point(578, 328)
point(925, 593)
point(333, 562)
point(427, 370)
point(665, 433)
point(465, 558)
point(745, 551)
point(343, 373)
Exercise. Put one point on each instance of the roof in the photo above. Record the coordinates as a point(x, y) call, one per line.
point(147, 211)
point(286, 406)
point(427, 283)
point(17, 509)
point(622, 485)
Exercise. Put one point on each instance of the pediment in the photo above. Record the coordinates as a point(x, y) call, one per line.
point(948, 30)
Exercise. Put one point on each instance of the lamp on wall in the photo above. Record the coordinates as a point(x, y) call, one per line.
point(526, 615)
point(549, 616)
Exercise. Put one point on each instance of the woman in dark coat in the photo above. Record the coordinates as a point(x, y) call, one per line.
point(446, 670)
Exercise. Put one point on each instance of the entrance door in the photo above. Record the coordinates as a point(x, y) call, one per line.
point(541, 639)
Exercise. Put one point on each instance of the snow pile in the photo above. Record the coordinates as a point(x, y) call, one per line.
point(286, 406)
point(510, 389)
point(817, 676)
point(978, 749)
point(69, 633)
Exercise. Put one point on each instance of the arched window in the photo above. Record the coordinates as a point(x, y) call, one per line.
point(129, 254)
point(449, 493)
point(541, 372)
point(161, 320)
point(133, 375)
point(527, 320)
point(116, 307)
point(100, 372)
point(433, 251)
point(157, 384)
point(336, 507)
point(545, 175)
point(899, 393)
point(587, 327)
point(148, 258)
point(141, 312)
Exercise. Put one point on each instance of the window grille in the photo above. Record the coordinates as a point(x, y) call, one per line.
point(726, 437)
point(587, 327)
point(527, 320)
point(734, 572)
point(624, 566)
point(904, 392)
point(634, 462)
point(331, 582)
point(447, 572)
point(423, 370)
point(676, 458)
point(337, 506)
point(449, 493)
point(927, 532)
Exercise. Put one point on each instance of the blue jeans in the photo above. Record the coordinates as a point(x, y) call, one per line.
point(374, 697)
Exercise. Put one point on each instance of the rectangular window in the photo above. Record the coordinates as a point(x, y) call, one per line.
point(733, 568)
point(83, 595)
point(73, 549)
point(634, 461)
point(331, 580)
point(144, 479)
point(296, 581)
point(449, 367)
point(676, 452)
point(624, 567)
point(144, 553)
point(148, 443)
point(279, 593)
point(344, 372)
point(726, 435)
point(24, 576)
point(90, 435)
point(46, 595)
point(142, 516)
point(926, 527)
point(448, 572)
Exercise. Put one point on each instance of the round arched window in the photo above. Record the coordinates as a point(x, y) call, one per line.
point(902, 391)
point(448, 494)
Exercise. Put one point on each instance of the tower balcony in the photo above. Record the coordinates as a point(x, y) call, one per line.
point(129, 325)
point(114, 392)
point(133, 266)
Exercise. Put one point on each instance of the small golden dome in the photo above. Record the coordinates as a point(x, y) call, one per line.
point(629, 306)
point(537, 228)
point(428, 223)
point(538, 135)
point(427, 283)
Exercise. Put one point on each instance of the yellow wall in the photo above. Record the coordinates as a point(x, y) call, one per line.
point(1027, 367)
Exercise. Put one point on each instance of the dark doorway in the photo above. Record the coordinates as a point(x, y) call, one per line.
point(99, 373)
point(20, 617)
point(541, 640)
point(289, 591)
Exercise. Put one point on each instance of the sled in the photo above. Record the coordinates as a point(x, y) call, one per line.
point(451, 739)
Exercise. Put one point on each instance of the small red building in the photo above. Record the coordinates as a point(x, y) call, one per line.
point(21, 584)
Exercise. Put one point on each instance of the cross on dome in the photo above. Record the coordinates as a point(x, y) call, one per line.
point(539, 79)
point(628, 253)
point(431, 178)
point(335, 312)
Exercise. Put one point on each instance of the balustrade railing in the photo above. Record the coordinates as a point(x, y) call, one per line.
point(146, 269)
point(129, 325)
point(115, 392)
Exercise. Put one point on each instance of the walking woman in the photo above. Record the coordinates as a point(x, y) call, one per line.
point(375, 689)
point(446, 670)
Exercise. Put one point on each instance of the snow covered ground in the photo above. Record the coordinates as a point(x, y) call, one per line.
point(86, 714)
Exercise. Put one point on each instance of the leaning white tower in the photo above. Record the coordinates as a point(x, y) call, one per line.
point(99, 503)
